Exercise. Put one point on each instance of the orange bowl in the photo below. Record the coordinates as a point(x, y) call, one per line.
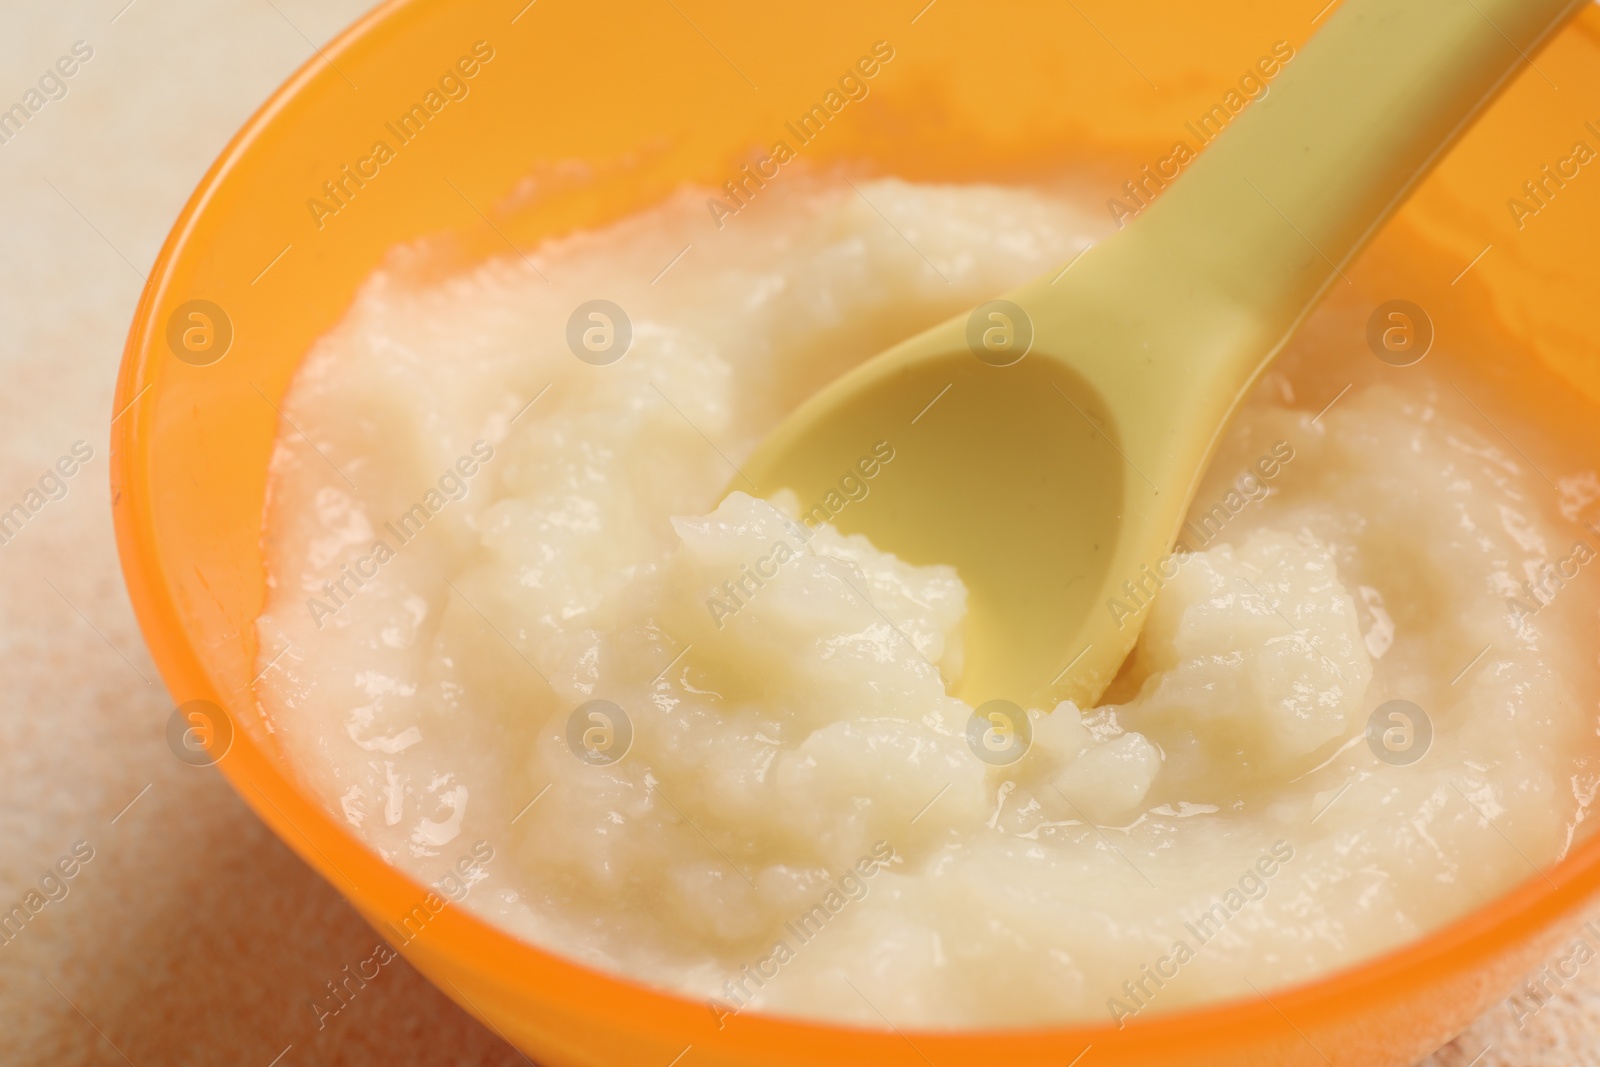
point(546, 137)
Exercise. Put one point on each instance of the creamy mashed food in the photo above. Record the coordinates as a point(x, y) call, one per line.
point(480, 534)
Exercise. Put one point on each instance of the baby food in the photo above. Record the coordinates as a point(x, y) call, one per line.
point(709, 737)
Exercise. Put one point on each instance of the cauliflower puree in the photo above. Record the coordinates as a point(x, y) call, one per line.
point(517, 608)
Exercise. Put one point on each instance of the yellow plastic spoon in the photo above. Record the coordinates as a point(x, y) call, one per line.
point(1070, 421)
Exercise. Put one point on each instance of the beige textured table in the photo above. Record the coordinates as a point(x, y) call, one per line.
point(193, 936)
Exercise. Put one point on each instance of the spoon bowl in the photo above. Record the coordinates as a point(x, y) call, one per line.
point(992, 464)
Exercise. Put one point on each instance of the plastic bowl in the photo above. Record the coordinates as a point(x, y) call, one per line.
point(575, 114)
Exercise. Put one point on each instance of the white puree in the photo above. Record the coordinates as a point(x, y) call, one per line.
point(1224, 823)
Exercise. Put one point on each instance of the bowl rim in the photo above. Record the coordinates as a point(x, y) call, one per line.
point(474, 945)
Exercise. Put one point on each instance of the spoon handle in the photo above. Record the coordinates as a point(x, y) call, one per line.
point(1170, 320)
point(1271, 212)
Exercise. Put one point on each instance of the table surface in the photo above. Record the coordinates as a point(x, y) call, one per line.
point(194, 936)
